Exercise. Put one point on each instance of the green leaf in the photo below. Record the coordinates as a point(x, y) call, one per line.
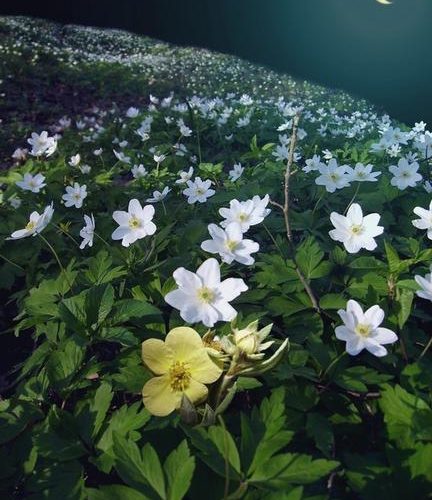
point(309, 255)
point(98, 304)
point(129, 464)
point(291, 468)
point(420, 462)
point(399, 408)
point(179, 469)
point(224, 442)
point(126, 309)
point(100, 269)
point(64, 362)
point(404, 302)
point(320, 430)
point(115, 492)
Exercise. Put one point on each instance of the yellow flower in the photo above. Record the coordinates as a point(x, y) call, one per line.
point(182, 366)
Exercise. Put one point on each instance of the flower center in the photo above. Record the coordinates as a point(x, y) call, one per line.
point(231, 245)
point(356, 229)
point(77, 196)
point(243, 217)
point(134, 222)
point(363, 330)
point(405, 174)
point(200, 191)
point(334, 177)
point(206, 295)
point(179, 376)
point(31, 225)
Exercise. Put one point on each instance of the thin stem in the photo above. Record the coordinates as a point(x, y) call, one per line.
point(317, 203)
point(285, 210)
point(11, 263)
point(66, 233)
point(164, 207)
point(332, 364)
point(274, 240)
point(63, 270)
point(425, 350)
point(353, 198)
point(100, 237)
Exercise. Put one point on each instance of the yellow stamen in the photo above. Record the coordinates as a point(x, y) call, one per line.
point(31, 225)
point(357, 228)
point(363, 330)
point(231, 245)
point(243, 217)
point(207, 295)
point(134, 223)
point(179, 376)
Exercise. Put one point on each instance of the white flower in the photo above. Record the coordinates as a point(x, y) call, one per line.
point(328, 155)
point(202, 296)
point(425, 221)
point(121, 156)
point(138, 171)
point(312, 164)
point(354, 230)
point(134, 224)
point(246, 213)
point(362, 173)
point(185, 176)
point(75, 195)
point(361, 330)
point(426, 285)
point(32, 183)
point(37, 223)
point(20, 154)
point(332, 176)
point(198, 190)
point(75, 160)
point(158, 195)
point(98, 152)
point(85, 169)
point(159, 158)
point(229, 244)
point(236, 172)
point(132, 112)
point(405, 174)
point(15, 202)
point(42, 144)
point(87, 232)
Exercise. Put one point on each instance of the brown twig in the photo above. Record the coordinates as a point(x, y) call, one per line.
point(285, 210)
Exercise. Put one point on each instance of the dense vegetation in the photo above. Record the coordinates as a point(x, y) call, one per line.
point(214, 278)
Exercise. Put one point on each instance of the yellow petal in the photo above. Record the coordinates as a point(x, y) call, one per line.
point(157, 356)
point(158, 397)
point(196, 392)
point(183, 341)
point(202, 368)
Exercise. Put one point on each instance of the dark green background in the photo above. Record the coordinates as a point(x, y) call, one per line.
point(380, 52)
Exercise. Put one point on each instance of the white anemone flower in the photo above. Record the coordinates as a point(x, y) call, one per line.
point(236, 172)
point(139, 171)
point(159, 195)
point(87, 232)
point(134, 224)
point(246, 213)
point(362, 173)
point(36, 224)
point(425, 221)
point(202, 296)
point(185, 176)
point(75, 195)
point(354, 230)
point(333, 176)
point(75, 160)
point(405, 174)
point(198, 190)
point(33, 183)
point(230, 245)
point(42, 144)
point(426, 285)
point(361, 330)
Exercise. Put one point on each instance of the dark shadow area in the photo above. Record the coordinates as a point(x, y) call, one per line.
point(375, 51)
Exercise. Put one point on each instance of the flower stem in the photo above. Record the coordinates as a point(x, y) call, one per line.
point(11, 263)
point(425, 350)
point(62, 269)
point(337, 358)
point(353, 198)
